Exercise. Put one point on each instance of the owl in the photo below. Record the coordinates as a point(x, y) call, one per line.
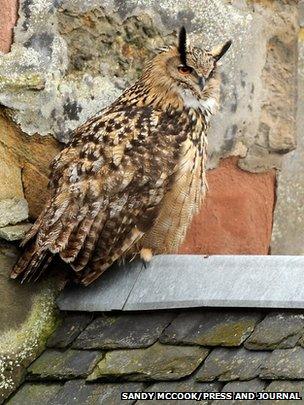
point(133, 175)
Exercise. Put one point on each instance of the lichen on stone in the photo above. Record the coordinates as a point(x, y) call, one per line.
point(18, 347)
point(86, 52)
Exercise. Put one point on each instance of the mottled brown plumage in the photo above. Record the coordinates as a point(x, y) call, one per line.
point(134, 174)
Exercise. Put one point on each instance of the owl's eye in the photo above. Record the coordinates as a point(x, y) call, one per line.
point(185, 70)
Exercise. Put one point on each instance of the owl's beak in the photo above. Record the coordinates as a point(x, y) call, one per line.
point(201, 82)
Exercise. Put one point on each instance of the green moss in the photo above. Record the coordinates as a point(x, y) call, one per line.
point(230, 334)
point(158, 361)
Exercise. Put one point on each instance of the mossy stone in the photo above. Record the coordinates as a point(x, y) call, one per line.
point(157, 362)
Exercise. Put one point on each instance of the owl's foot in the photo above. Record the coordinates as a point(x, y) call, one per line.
point(146, 255)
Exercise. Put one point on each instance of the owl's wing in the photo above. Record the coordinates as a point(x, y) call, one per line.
point(106, 191)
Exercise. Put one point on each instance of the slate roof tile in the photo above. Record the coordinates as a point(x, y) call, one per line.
point(285, 386)
point(92, 361)
point(157, 362)
point(284, 364)
point(277, 331)
point(78, 392)
point(255, 385)
point(131, 331)
point(231, 364)
point(63, 365)
point(211, 328)
point(189, 385)
point(34, 394)
point(72, 325)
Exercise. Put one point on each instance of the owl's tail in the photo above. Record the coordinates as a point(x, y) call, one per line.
point(32, 263)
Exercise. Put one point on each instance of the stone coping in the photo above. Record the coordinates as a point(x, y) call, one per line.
point(189, 281)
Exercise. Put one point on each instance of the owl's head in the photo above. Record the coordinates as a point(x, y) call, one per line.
point(186, 74)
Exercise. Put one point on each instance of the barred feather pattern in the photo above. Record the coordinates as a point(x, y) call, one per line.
point(131, 178)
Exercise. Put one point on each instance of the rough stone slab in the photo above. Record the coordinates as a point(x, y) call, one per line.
point(211, 328)
point(14, 232)
point(12, 211)
point(277, 331)
point(72, 325)
point(34, 394)
point(157, 362)
point(284, 364)
point(189, 385)
point(58, 365)
point(28, 316)
point(124, 331)
point(93, 394)
point(108, 293)
point(185, 281)
point(222, 281)
point(231, 364)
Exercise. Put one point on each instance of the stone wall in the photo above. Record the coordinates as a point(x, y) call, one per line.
point(288, 228)
point(69, 59)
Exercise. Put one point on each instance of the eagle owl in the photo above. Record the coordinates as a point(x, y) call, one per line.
point(133, 175)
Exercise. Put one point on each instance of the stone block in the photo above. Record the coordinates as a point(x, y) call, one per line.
point(211, 328)
point(124, 331)
point(12, 211)
point(157, 362)
point(25, 164)
point(86, 82)
point(231, 364)
point(236, 217)
point(10, 174)
point(277, 331)
point(58, 365)
point(8, 18)
point(287, 235)
point(284, 364)
point(72, 325)
point(14, 232)
point(35, 189)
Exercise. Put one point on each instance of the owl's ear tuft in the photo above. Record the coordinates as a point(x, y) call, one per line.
point(219, 51)
point(182, 46)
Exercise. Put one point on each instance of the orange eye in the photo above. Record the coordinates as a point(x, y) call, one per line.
point(185, 70)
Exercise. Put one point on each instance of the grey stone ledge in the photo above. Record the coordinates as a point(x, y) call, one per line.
point(189, 281)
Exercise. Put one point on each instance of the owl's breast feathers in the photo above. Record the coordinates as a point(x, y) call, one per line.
point(110, 188)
